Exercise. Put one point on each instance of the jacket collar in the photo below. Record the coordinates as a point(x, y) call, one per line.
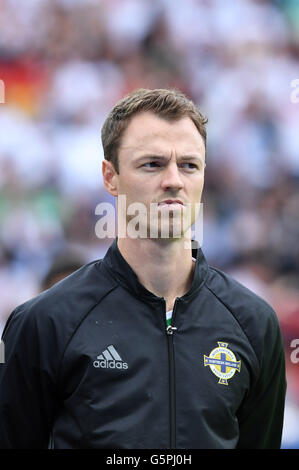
point(126, 276)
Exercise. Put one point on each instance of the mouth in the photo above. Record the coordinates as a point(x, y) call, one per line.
point(171, 202)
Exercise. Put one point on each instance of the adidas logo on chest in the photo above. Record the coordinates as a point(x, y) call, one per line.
point(110, 359)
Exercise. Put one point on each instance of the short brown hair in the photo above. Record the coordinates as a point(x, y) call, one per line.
point(170, 104)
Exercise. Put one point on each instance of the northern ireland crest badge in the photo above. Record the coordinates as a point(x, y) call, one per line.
point(222, 362)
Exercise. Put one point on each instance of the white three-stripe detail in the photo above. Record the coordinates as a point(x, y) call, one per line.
point(110, 354)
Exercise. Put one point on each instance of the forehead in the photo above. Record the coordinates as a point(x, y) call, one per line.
point(149, 132)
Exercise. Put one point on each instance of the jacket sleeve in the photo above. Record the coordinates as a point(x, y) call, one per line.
point(27, 387)
point(261, 414)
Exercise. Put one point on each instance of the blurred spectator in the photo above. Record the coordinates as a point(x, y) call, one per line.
point(63, 265)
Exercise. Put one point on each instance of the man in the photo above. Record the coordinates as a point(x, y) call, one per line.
point(63, 265)
point(93, 361)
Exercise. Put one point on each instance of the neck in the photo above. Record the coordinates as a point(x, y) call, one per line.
point(164, 267)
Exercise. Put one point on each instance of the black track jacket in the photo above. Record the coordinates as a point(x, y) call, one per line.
point(91, 364)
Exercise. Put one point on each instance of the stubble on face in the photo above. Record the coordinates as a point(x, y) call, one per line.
point(148, 134)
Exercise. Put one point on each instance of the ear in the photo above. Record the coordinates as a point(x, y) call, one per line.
point(110, 177)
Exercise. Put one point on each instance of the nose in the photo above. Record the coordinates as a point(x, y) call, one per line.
point(171, 178)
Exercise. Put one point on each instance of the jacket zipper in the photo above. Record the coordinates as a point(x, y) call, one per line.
point(170, 332)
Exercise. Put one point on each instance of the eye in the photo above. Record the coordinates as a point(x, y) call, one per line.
point(189, 166)
point(151, 165)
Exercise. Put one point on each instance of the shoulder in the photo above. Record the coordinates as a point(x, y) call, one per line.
point(255, 316)
point(235, 295)
point(66, 303)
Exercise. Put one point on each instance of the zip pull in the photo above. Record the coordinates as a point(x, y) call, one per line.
point(170, 329)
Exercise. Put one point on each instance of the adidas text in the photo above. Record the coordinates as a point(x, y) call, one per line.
point(104, 364)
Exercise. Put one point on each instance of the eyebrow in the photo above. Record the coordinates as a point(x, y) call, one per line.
point(163, 157)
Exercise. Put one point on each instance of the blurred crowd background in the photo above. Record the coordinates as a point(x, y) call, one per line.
point(65, 63)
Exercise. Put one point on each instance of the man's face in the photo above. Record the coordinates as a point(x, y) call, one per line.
point(160, 162)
